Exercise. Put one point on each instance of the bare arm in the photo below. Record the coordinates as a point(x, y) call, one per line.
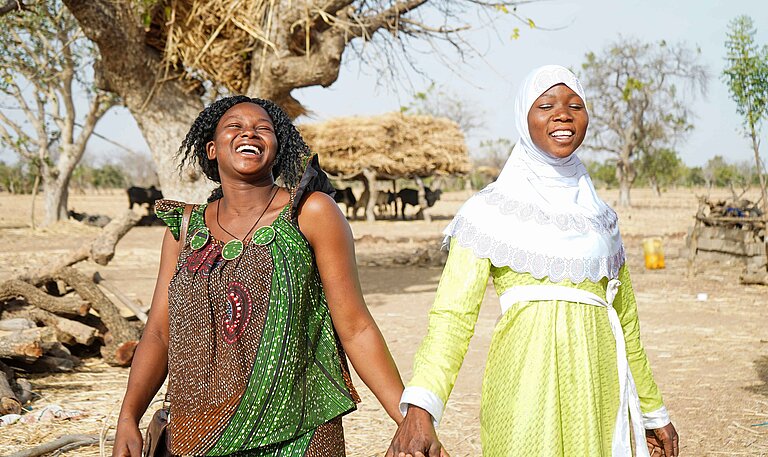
point(328, 232)
point(150, 362)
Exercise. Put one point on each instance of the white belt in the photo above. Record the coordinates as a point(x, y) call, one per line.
point(628, 398)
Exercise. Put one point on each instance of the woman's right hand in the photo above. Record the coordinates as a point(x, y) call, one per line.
point(416, 436)
point(128, 440)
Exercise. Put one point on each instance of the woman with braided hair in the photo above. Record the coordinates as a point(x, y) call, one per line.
point(256, 309)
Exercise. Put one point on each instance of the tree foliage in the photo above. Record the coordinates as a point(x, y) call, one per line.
point(44, 61)
point(746, 74)
point(640, 101)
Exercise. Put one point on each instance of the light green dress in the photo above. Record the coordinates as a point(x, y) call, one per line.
point(551, 383)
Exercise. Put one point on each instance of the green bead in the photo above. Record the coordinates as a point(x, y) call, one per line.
point(232, 249)
point(199, 238)
point(263, 236)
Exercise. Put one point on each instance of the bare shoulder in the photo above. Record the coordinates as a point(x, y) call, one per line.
point(319, 214)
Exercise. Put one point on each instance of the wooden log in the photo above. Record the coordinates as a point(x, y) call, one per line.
point(67, 441)
point(64, 306)
point(731, 247)
point(67, 331)
point(11, 323)
point(25, 344)
point(135, 309)
point(9, 402)
point(123, 335)
point(755, 278)
point(101, 249)
point(50, 364)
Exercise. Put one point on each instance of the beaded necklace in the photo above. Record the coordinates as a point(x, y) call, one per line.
point(234, 248)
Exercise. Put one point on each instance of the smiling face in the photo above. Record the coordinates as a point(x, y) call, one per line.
point(557, 121)
point(244, 143)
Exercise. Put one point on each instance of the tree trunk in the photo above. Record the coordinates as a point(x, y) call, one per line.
point(55, 190)
point(655, 186)
point(760, 171)
point(423, 207)
point(370, 185)
point(132, 69)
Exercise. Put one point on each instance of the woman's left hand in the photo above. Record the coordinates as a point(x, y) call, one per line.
point(663, 442)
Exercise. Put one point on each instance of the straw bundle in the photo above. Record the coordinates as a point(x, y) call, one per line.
point(391, 145)
point(214, 37)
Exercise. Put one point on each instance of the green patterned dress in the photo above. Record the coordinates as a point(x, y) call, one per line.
point(255, 366)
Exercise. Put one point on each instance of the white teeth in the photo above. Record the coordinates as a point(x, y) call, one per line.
point(561, 133)
point(249, 149)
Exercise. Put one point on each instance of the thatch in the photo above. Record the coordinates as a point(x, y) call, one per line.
point(214, 37)
point(392, 145)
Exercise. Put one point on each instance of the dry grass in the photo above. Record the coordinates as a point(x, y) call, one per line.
point(392, 145)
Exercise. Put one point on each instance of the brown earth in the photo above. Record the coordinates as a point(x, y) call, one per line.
point(710, 357)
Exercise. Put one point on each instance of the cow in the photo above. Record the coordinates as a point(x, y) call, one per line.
point(386, 203)
point(411, 197)
point(346, 196)
point(141, 195)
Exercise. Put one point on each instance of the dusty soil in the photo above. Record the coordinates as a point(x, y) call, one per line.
point(710, 357)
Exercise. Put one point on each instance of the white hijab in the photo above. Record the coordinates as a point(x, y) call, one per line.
point(542, 215)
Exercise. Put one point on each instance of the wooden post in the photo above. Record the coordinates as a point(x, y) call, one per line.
point(369, 177)
point(423, 208)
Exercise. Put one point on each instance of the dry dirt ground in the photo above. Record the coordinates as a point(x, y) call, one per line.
point(710, 357)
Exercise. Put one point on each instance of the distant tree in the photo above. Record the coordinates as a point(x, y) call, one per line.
point(440, 102)
point(694, 176)
point(661, 168)
point(493, 153)
point(637, 104)
point(746, 74)
point(602, 173)
point(43, 63)
point(719, 173)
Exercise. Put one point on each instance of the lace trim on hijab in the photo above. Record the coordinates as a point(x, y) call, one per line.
point(605, 222)
point(538, 265)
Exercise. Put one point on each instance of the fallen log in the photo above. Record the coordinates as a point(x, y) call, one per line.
point(101, 249)
point(9, 402)
point(67, 331)
point(98, 279)
point(50, 364)
point(67, 441)
point(123, 335)
point(10, 323)
point(63, 306)
point(25, 344)
point(760, 278)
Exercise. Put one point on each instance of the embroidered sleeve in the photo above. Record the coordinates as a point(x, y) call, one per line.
point(651, 404)
point(451, 325)
point(171, 212)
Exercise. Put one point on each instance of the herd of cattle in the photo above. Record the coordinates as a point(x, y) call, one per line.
point(388, 204)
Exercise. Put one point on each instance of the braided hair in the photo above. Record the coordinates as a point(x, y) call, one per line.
point(291, 148)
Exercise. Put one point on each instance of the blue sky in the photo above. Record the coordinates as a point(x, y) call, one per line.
point(490, 82)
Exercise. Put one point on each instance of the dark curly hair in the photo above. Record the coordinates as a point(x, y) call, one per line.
point(291, 148)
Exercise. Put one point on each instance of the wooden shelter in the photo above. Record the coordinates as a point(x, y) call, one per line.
point(388, 146)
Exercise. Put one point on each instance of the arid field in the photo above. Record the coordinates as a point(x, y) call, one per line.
point(710, 357)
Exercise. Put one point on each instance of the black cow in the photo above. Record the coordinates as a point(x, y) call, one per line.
point(411, 197)
point(141, 195)
point(346, 196)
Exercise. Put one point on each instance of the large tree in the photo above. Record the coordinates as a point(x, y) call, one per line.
point(165, 58)
point(637, 102)
point(747, 77)
point(42, 66)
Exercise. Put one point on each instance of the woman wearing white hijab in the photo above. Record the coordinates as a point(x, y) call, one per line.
point(566, 374)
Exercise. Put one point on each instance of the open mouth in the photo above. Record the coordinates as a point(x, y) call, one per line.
point(562, 134)
point(249, 149)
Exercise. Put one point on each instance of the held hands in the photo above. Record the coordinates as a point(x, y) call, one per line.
point(663, 442)
point(416, 436)
point(128, 440)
